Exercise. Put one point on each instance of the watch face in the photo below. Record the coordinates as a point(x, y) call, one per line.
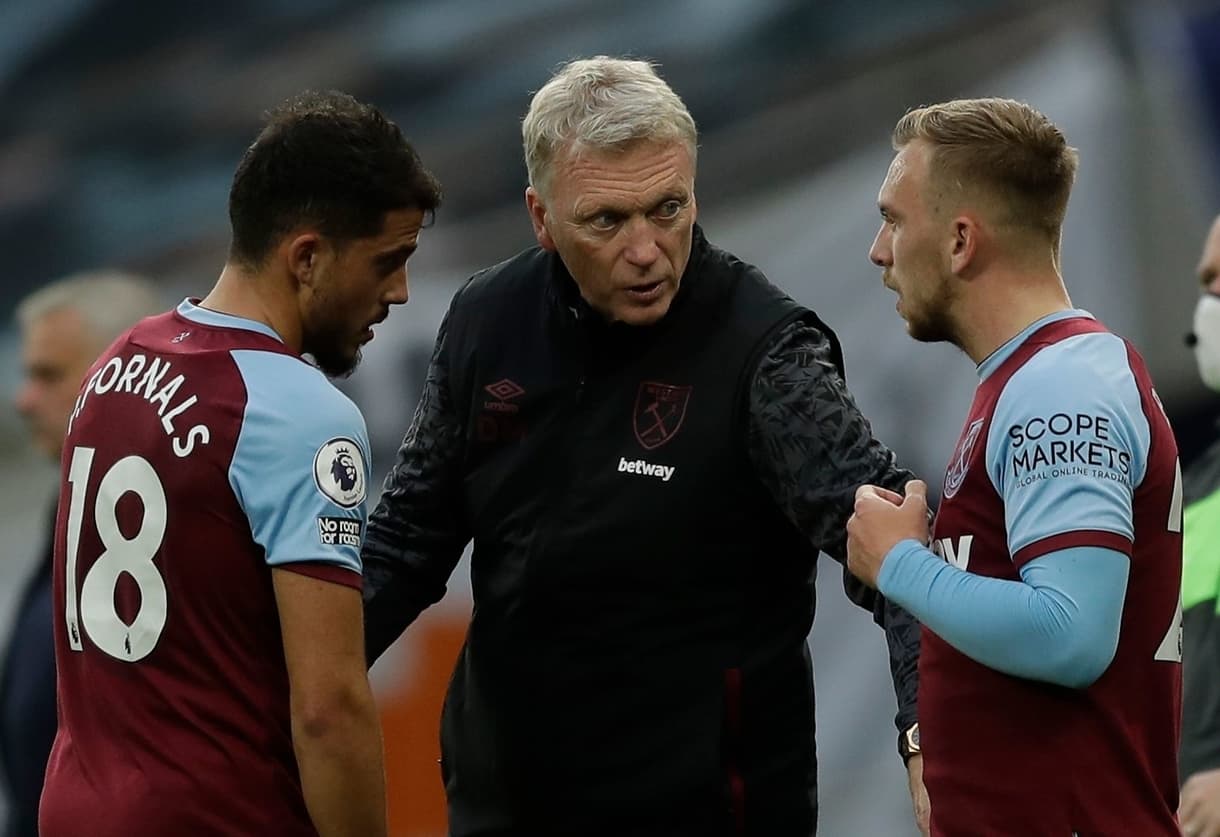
point(913, 736)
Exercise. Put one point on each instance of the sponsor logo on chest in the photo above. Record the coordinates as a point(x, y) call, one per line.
point(955, 551)
point(640, 468)
point(660, 411)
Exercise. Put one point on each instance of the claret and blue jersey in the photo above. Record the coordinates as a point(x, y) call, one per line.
point(202, 452)
point(1050, 675)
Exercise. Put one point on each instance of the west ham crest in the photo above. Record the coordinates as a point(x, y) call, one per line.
point(659, 411)
point(961, 461)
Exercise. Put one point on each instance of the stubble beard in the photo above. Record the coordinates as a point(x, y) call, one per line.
point(327, 351)
point(933, 322)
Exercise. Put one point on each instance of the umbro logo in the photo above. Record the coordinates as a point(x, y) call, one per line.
point(503, 391)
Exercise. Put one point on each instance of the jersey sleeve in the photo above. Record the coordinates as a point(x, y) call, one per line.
point(300, 469)
point(1067, 447)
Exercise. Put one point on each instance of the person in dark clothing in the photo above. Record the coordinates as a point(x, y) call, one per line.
point(27, 698)
point(1199, 758)
point(648, 444)
point(64, 326)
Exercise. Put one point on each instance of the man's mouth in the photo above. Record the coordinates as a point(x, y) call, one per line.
point(646, 292)
point(368, 330)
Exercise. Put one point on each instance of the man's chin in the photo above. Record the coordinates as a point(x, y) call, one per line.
point(645, 315)
point(51, 449)
point(336, 366)
point(924, 333)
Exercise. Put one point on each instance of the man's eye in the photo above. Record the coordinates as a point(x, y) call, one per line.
point(669, 209)
point(604, 221)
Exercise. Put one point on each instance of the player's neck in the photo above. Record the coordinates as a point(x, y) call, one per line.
point(240, 293)
point(1004, 306)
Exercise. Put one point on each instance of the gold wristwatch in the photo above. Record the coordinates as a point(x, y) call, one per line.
point(908, 742)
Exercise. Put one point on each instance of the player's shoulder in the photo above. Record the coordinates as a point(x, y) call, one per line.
point(294, 414)
point(1083, 380)
point(203, 334)
point(155, 329)
point(1089, 364)
point(167, 323)
point(284, 389)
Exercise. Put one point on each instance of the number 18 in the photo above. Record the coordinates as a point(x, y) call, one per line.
point(134, 556)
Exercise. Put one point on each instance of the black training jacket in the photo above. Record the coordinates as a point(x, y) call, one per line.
point(646, 506)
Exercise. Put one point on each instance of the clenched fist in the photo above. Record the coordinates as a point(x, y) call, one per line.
point(882, 518)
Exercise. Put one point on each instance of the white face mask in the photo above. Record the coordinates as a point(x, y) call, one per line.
point(1207, 340)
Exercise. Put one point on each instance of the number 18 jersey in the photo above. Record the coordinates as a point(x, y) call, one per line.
point(201, 453)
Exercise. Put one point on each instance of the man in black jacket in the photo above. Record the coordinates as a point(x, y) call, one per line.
point(648, 444)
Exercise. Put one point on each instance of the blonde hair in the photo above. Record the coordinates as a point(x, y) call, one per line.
point(998, 148)
point(108, 301)
point(601, 103)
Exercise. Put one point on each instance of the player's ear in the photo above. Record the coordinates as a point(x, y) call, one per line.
point(964, 244)
point(537, 210)
point(301, 253)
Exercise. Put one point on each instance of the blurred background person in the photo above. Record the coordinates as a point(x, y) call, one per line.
point(1200, 753)
point(64, 327)
point(123, 119)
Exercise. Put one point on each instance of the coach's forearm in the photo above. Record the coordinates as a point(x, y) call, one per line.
point(342, 765)
point(903, 641)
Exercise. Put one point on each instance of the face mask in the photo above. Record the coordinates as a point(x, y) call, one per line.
point(1207, 340)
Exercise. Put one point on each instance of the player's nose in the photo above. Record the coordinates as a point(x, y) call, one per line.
point(400, 288)
point(642, 249)
point(26, 398)
point(879, 253)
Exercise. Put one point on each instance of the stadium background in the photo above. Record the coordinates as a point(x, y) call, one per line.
point(123, 120)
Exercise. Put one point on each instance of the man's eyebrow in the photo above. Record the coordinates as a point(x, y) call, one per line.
point(1206, 273)
point(398, 253)
point(593, 211)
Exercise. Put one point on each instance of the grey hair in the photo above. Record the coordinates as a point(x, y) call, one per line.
point(108, 301)
point(601, 103)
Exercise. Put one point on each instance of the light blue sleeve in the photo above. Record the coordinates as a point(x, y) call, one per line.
point(300, 469)
point(1068, 446)
point(1059, 624)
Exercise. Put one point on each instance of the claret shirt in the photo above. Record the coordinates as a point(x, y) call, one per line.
point(1065, 445)
point(201, 453)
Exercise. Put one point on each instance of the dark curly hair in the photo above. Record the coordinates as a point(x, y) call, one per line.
point(329, 160)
